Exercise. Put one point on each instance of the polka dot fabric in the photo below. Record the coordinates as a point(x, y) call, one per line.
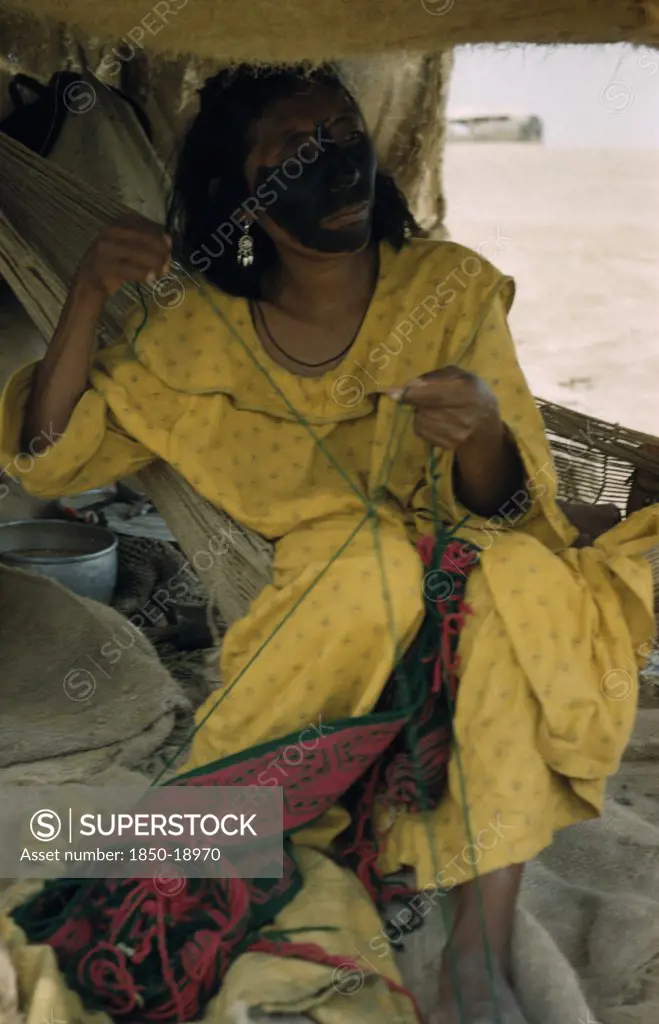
point(538, 733)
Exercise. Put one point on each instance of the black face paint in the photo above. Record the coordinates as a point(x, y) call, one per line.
point(323, 179)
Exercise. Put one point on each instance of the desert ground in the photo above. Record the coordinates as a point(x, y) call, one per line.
point(579, 231)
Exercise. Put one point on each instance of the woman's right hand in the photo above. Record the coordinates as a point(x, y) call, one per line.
point(131, 250)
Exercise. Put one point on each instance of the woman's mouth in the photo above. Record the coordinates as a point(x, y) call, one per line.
point(353, 214)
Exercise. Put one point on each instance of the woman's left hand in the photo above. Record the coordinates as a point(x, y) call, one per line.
point(452, 407)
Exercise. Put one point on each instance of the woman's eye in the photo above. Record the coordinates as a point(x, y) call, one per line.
point(299, 140)
point(293, 145)
point(348, 136)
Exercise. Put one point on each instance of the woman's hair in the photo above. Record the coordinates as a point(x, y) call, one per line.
point(215, 150)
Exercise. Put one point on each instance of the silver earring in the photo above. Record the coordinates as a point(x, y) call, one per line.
point(245, 248)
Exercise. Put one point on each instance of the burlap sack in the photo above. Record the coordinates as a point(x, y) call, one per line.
point(586, 944)
point(81, 688)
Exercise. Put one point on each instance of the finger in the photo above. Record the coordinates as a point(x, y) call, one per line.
point(154, 240)
point(401, 394)
point(110, 253)
point(461, 414)
point(441, 432)
point(444, 441)
point(132, 246)
point(430, 393)
point(138, 242)
point(444, 420)
point(130, 271)
point(137, 221)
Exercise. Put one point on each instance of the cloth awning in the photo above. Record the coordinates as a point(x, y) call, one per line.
point(288, 30)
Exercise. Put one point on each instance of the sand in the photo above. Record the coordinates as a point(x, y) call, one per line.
point(579, 230)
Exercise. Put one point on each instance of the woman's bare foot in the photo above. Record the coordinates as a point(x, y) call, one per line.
point(483, 997)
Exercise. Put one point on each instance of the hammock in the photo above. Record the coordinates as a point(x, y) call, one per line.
point(59, 216)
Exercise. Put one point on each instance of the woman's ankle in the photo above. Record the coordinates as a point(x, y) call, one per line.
point(474, 959)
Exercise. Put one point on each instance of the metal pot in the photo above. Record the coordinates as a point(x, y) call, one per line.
point(82, 558)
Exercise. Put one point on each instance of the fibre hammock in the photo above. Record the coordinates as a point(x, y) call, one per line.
point(48, 218)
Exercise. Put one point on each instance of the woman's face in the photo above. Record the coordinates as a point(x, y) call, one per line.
point(311, 172)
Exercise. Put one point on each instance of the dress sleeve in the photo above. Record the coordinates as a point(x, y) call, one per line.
point(93, 451)
point(490, 354)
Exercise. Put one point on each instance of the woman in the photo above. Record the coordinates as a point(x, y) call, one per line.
point(321, 326)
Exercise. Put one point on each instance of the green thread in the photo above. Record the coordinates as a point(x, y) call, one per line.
point(140, 327)
point(463, 787)
point(402, 683)
point(265, 643)
point(289, 405)
point(283, 933)
point(371, 514)
point(380, 487)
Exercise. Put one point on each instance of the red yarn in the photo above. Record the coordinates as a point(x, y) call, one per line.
point(110, 977)
point(163, 954)
point(142, 920)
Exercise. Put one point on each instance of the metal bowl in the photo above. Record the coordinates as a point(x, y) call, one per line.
point(82, 558)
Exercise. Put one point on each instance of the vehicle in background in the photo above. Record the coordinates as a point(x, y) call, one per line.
point(493, 127)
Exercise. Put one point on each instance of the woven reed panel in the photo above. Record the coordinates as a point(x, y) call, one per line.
point(594, 459)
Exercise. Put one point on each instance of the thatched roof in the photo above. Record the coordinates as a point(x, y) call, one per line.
point(285, 30)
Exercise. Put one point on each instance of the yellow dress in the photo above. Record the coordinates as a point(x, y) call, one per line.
point(540, 721)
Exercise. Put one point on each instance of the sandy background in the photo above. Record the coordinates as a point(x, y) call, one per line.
point(579, 230)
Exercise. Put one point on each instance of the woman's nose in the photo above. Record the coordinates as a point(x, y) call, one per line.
point(345, 178)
